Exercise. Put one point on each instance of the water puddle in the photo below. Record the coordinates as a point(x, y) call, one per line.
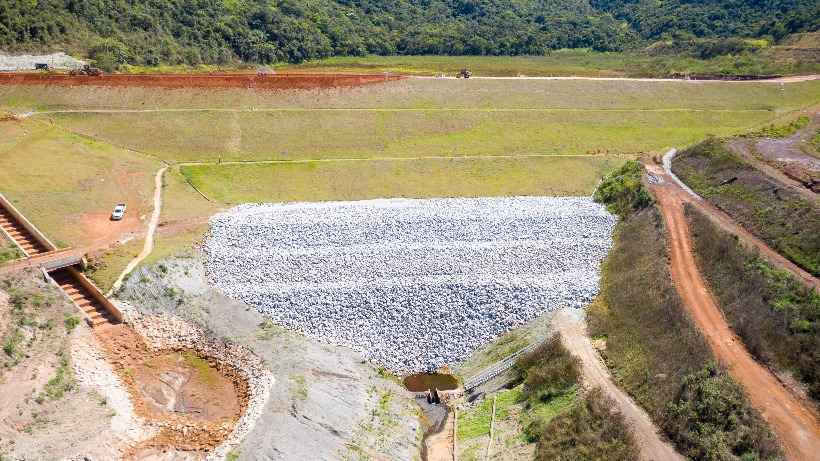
point(422, 382)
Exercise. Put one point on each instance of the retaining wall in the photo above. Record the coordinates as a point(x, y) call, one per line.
point(31, 228)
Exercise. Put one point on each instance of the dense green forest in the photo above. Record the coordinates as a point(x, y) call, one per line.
point(150, 32)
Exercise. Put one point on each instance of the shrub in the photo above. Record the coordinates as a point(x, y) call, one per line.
point(590, 430)
point(71, 322)
point(711, 419)
point(781, 131)
point(109, 54)
point(564, 426)
point(547, 371)
point(622, 190)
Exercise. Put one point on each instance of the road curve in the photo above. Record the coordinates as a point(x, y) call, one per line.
point(795, 424)
point(574, 337)
point(673, 185)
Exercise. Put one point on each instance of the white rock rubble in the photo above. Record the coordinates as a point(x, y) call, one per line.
point(412, 284)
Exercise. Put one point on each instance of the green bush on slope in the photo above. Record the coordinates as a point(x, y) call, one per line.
point(586, 428)
point(622, 191)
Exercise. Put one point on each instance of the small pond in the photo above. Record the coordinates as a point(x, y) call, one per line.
point(421, 382)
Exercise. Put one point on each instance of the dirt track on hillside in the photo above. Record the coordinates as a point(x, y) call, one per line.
point(794, 423)
point(724, 221)
point(575, 339)
point(261, 82)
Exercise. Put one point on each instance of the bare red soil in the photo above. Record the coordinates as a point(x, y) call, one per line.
point(195, 400)
point(262, 82)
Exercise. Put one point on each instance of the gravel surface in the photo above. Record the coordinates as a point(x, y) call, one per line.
point(27, 61)
point(412, 284)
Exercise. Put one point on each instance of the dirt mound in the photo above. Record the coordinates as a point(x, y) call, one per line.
point(174, 390)
point(261, 82)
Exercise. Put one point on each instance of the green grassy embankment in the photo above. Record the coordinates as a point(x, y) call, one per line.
point(780, 217)
point(317, 181)
point(67, 184)
point(774, 314)
point(546, 414)
point(655, 352)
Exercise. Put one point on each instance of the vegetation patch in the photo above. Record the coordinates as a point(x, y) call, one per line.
point(775, 315)
point(652, 347)
point(815, 143)
point(286, 182)
point(709, 418)
point(61, 382)
point(9, 251)
point(783, 130)
point(622, 190)
point(566, 424)
point(104, 269)
point(783, 219)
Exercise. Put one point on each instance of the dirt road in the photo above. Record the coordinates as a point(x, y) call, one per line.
point(794, 423)
point(572, 327)
point(148, 247)
point(670, 186)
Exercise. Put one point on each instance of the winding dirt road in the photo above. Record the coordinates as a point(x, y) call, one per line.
point(795, 424)
point(574, 337)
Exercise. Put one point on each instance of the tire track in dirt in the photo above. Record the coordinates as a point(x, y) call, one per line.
point(575, 339)
point(795, 424)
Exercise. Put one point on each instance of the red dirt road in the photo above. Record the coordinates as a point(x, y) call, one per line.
point(262, 82)
point(794, 423)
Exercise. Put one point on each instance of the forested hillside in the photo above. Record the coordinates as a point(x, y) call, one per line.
point(265, 31)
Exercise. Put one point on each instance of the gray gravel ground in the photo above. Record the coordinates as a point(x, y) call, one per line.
point(412, 284)
point(27, 61)
point(326, 403)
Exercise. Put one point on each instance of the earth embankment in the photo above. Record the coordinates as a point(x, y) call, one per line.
point(795, 425)
point(262, 82)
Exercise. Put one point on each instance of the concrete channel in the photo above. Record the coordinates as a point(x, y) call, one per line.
point(58, 266)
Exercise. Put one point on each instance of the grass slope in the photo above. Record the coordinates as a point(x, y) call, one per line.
point(418, 117)
point(319, 181)
point(280, 134)
point(57, 179)
point(570, 62)
point(435, 94)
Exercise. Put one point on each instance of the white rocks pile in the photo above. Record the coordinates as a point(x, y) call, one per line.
point(27, 61)
point(412, 284)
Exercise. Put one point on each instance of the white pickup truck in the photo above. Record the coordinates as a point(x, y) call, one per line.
point(118, 212)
